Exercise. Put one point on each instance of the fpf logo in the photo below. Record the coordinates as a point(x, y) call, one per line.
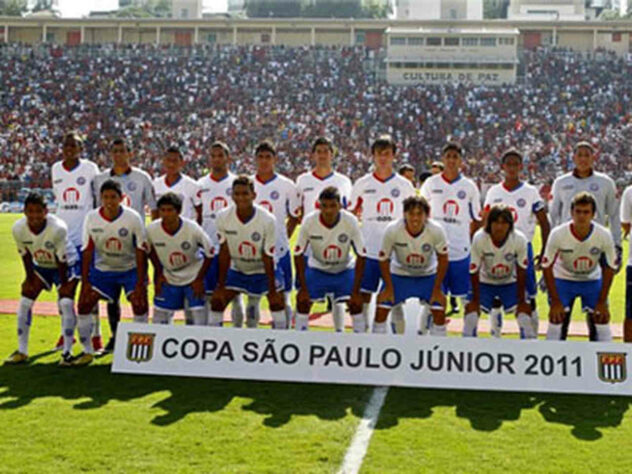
point(71, 195)
point(178, 259)
point(332, 253)
point(218, 203)
point(113, 244)
point(140, 346)
point(385, 207)
point(247, 249)
point(43, 256)
point(582, 264)
point(451, 208)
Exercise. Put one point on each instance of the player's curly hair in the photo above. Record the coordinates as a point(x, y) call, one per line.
point(170, 199)
point(244, 180)
point(582, 198)
point(111, 185)
point(412, 202)
point(499, 212)
point(329, 192)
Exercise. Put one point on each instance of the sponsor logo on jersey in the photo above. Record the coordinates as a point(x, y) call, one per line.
point(126, 201)
point(71, 195)
point(342, 238)
point(256, 236)
point(415, 259)
point(582, 264)
point(123, 232)
point(178, 259)
point(451, 208)
point(500, 270)
point(218, 203)
point(332, 253)
point(611, 367)
point(385, 208)
point(43, 256)
point(267, 205)
point(370, 191)
point(140, 346)
point(81, 180)
point(514, 214)
point(247, 249)
point(437, 191)
point(113, 244)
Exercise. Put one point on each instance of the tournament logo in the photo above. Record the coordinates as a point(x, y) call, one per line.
point(256, 236)
point(123, 232)
point(342, 238)
point(426, 247)
point(594, 187)
point(611, 367)
point(131, 186)
point(49, 245)
point(140, 347)
point(521, 202)
point(461, 194)
point(395, 192)
point(81, 180)
point(185, 245)
point(595, 251)
point(274, 195)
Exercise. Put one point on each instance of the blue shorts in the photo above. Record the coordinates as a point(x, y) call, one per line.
point(256, 284)
point(372, 277)
point(50, 276)
point(109, 284)
point(210, 279)
point(588, 291)
point(531, 283)
point(320, 284)
point(457, 278)
point(507, 294)
point(173, 297)
point(285, 264)
point(411, 287)
point(628, 292)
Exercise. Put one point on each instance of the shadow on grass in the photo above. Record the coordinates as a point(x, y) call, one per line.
point(486, 411)
point(21, 385)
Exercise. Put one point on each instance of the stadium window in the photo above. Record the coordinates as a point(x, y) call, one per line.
point(451, 42)
point(415, 41)
point(616, 37)
point(433, 41)
point(469, 41)
point(50, 37)
point(360, 38)
point(488, 41)
point(265, 37)
point(506, 41)
point(184, 13)
point(398, 40)
point(211, 38)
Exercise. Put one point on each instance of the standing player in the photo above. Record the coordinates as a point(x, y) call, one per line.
point(378, 197)
point(174, 181)
point(180, 268)
point(418, 267)
point(49, 259)
point(455, 203)
point(138, 193)
point(278, 195)
point(215, 195)
point(247, 238)
point(601, 186)
point(114, 236)
point(527, 208)
point(571, 267)
point(73, 181)
point(312, 183)
point(329, 232)
point(408, 171)
point(498, 273)
point(626, 222)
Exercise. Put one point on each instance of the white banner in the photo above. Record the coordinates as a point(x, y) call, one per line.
point(367, 359)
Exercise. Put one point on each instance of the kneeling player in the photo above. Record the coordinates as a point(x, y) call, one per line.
point(246, 234)
point(180, 269)
point(498, 271)
point(49, 259)
point(420, 264)
point(571, 270)
point(329, 234)
point(115, 237)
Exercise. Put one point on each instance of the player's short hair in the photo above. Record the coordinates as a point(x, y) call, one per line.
point(34, 198)
point(499, 212)
point(406, 167)
point(111, 185)
point(511, 152)
point(584, 144)
point(383, 141)
point(120, 141)
point(174, 149)
point(452, 145)
point(243, 180)
point(264, 146)
point(171, 199)
point(583, 198)
point(75, 136)
point(329, 192)
point(222, 145)
point(438, 164)
point(412, 202)
point(323, 141)
point(423, 176)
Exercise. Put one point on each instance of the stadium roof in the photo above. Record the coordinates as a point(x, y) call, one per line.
point(456, 31)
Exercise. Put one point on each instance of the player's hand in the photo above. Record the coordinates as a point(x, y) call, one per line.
point(602, 313)
point(523, 307)
point(28, 286)
point(197, 286)
point(387, 294)
point(537, 263)
point(275, 298)
point(139, 295)
point(438, 297)
point(85, 293)
point(302, 297)
point(473, 306)
point(158, 281)
point(356, 300)
point(619, 257)
point(557, 312)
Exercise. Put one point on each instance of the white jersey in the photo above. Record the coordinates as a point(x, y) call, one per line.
point(626, 214)
point(310, 186)
point(415, 255)
point(214, 196)
point(179, 253)
point(278, 196)
point(48, 246)
point(137, 188)
point(578, 260)
point(75, 195)
point(381, 202)
point(330, 246)
point(114, 241)
point(186, 188)
point(523, 201)
point(247, 241)
point(454, 205)
point(497, 265)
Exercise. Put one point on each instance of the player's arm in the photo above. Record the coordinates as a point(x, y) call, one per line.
point(299, 263)
point(556, 308)
point(475, 211)
point(602, 314)
point(294, 212)
point(626, 212)
point(207, 248)
point(442, 268)
point(223, 263)
point(384, 257)
point(614, 215)
point(267, 255)
point(555, 209)
point(545, 230)
point(61, 257)
point(290, 225)
point(357, 242)
point(474, 305)
point(198, 214)
point(159, 277)
point(355, 203)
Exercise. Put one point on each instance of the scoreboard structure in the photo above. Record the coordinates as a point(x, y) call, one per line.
point(447, 55)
